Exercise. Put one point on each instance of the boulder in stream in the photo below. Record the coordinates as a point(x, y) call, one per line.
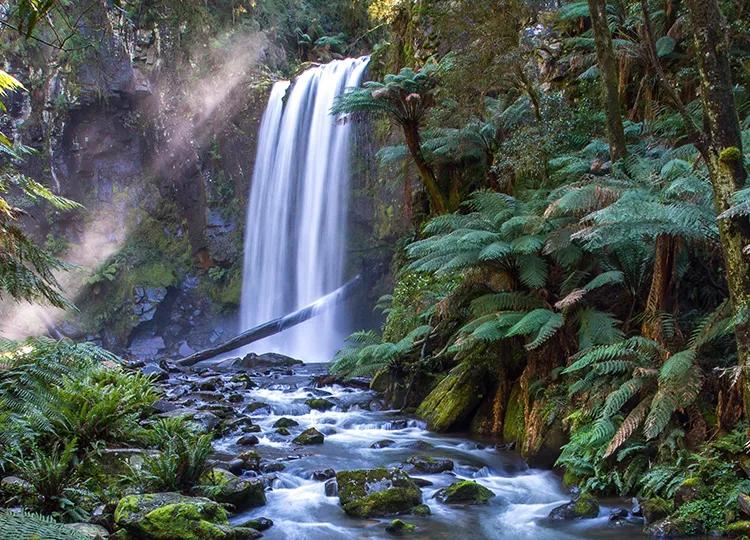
point(248, 440)
point(583, 506)
point(257, 407)
point(377, 492)
point(383, 443)
point(430, 465)
point(259, 524)
point(308, 437)
point(399, 527)
point(266, 360)
point(285, 422)
point(156, 516)
point(323, 475)
point(464, 492)
point(320, 404)
point(242, 493)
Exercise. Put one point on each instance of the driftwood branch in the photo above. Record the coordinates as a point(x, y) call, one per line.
point(276, 325)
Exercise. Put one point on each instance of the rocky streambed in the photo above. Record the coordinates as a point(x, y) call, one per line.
point(301, 455)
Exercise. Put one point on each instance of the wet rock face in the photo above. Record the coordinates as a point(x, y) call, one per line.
point(377, 492)
point(146, 300)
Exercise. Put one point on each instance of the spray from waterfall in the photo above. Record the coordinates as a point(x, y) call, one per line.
point(296, 216)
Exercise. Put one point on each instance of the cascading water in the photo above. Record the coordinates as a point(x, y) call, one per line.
point(296, 216)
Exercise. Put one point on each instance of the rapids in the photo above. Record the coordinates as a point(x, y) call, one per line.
point(300, 509)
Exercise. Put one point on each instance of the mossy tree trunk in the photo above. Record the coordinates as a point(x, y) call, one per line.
point(722, 151)
point(605, 55)
point(438, 201)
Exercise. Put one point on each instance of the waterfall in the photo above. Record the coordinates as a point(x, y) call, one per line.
point(295, 233)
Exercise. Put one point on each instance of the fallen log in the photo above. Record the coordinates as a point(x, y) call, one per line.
point(276, 325)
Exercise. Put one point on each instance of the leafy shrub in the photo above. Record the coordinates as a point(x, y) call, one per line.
point(52, 473)
point(182, 458)
point(102, 405)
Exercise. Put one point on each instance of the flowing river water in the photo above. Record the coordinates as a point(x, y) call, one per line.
point(301, 509)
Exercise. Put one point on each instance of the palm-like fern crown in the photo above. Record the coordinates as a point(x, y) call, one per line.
point(405, 96)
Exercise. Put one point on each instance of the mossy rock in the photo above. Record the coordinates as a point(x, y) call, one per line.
point(283, 431)
point(738, 529)
point(688, 491)
point(377, 492)
point(320, 404)
point(675, 526)
point(256, 406)
point(585, 506)
point(465, 492)
point(167, 516)
point(259, 524)
point(453, 401)
point(242, 493)
point(421, 510)
point(308, 437)
point(655, 508)
point(251, 458)
point(399, 527)
point(285, 423)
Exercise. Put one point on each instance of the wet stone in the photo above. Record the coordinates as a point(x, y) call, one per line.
point(309, 436)
point(325, 474)
point(285, 423)
point(465, 492)
point(248, 440)
point(384, 443)
point(320, 404)
point(430, 465)
point(259, 524)
point(272, 467)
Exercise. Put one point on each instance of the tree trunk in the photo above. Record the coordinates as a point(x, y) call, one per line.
point(605, 55)
point(414, 144)
point(659, 295)
point(277, 325)
point(722, 151)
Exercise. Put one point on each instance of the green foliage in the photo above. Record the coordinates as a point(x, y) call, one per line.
point(52, 475)
point(405, 96)
point(181, 460)
point(61, 403)
point(102, 405)
point(27, 525)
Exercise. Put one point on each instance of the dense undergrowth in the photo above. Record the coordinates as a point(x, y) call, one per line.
point(576, 288)
point(63, 408)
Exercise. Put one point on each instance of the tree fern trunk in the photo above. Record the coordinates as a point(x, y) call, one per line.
point(605, 55)
point(722, 150)
point(659, 294)
point(413, 143)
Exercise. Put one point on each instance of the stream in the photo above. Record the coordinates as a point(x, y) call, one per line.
point(300, 508)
